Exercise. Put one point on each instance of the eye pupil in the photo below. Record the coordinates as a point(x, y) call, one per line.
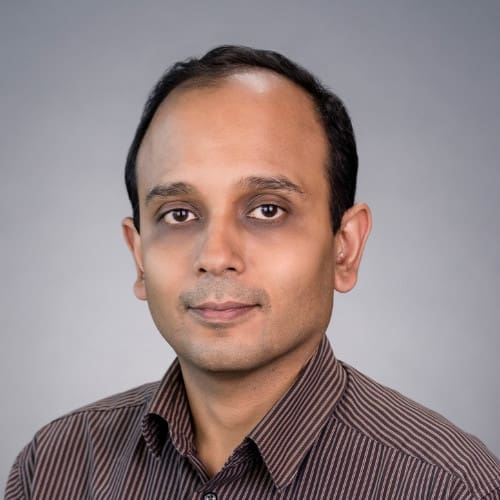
point(180, 215)
point(269, 210)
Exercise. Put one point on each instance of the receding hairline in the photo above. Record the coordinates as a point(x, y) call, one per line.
point(216, 77)
point(214, 80)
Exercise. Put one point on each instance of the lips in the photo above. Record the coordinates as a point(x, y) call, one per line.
point(222, 311)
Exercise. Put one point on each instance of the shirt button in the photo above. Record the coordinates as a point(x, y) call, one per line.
point(210, 496)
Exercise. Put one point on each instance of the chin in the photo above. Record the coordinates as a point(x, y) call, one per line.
point(219, 357)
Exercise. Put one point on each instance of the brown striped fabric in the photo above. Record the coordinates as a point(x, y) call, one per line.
point(335, 434)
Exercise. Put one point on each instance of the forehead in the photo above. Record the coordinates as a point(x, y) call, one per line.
point(253, 122)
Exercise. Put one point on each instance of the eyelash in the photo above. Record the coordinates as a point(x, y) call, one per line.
point(281, 211)
point(172, 211)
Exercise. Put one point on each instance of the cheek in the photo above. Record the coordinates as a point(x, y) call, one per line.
point(165, 277)
point(301, 278)
point(165, 270)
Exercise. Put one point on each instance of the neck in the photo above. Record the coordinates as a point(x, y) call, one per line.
point(225, 407)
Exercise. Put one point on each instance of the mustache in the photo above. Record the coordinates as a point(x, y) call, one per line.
point(223, 289)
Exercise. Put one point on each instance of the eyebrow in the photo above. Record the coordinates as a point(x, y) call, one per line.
point(278, 183)
point(166, 190)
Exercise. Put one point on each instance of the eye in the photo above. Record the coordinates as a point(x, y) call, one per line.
point(267, 211)
point(178, 216)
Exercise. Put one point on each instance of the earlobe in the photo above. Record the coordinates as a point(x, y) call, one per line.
point(133, 241)
point(350, 242)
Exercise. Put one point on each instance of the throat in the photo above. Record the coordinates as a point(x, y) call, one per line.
point(214, 453)
point(221, 429)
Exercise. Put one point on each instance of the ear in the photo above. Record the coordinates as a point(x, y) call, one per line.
point(350, 242)
point(133, 241)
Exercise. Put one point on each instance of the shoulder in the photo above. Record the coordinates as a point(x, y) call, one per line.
point(103, 426)
point(124, 407)
point(100, 430)
point(138, 396)
point(408, 428)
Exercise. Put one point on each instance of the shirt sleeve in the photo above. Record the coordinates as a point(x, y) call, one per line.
point(21, 475)
point(14, 490)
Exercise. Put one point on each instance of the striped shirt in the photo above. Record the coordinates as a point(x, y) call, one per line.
point(334, 434)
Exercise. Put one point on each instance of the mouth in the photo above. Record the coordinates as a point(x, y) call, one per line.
point(222, 312)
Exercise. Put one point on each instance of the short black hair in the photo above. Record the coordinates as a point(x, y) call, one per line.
point(222, 61)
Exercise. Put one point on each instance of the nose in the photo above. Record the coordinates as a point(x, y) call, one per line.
point(220, 249)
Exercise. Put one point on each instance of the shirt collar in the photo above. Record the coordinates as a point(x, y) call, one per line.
point(168, 413)
point(290, 428)
point(283, 436)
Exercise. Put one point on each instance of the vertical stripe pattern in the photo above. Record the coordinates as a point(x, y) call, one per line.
point(335, 434)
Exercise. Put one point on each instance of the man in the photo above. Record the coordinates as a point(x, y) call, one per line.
point(242, 178)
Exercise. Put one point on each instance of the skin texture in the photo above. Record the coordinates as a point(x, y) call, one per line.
point(234, 212)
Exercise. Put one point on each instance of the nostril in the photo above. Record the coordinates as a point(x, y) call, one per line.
point(202, 270)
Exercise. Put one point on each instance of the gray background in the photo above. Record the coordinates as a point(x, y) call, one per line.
point(422, 84)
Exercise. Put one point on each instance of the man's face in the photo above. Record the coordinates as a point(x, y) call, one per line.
point(236, 253)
